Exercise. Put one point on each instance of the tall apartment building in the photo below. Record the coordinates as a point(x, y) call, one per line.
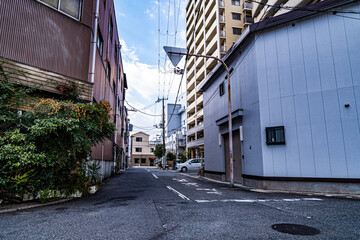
point(53, 42)
point(264, 9)
point(212, 26)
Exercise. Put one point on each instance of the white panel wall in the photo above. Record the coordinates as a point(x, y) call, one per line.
point(306, 73)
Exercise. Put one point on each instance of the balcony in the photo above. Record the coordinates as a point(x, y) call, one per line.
point(211, 32)
point(209, 7)
point(223, 49)
point(189, 30)
point(191, 120)
point(44, 80)
point(200, 75)
point(199, 101)
point(248, 20)
point(247, 6)
point(190, 62)
point(211, 18)
point(222, 33)
point(200, 114)
point(191, 96)
point(221, 4)
point(191, 84)
point(199, 62)
point(221, 18)
point(191, 108)
point(195, 143)
point(211, 47)
point(197, 2)
point(195, 129)
point(199, 38)
point(199, 25)
point(191, 72)
point(190, 9)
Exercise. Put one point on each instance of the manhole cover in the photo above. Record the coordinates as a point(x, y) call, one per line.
point(295, 229)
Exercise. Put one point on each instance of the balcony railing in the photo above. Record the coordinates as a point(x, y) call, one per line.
point(221, 3)
point(222, 33)
point(248, 19)
point(222, 18)
point(222, 49)
point(247, 5)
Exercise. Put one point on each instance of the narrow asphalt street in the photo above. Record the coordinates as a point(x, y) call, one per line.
point(155, 204)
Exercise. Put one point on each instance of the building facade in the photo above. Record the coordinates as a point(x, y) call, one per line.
point(295, 103)
point(52, 42)
point(141, 150)
point(176, 129)
point(212, 26)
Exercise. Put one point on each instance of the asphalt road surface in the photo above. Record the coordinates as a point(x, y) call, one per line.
point(156, 204)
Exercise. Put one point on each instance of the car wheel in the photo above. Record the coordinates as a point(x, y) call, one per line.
point(183, 169)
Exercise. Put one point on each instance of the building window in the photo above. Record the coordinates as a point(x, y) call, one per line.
point(139, 139)
point(111, 27)
point(151, 149)
point(137, 160)
point(236, 16)
point(235, 2)
point(236, 31)
point(143, 160)
point(99, 42)
point(69, 7)
point(138, 150)
point(221, 89)
point(108, 70)
point(275, 135)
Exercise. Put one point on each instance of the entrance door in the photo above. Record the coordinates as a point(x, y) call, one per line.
point(236, 157)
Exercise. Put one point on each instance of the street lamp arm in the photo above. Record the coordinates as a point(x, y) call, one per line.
point(229, 107)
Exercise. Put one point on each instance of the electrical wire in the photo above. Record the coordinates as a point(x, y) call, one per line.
point(177, 95)
point(137, 110)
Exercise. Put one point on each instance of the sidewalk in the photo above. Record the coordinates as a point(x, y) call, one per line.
point(13, 207)
point(319, 194)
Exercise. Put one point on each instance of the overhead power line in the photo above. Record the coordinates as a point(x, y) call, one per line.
point(137, 110)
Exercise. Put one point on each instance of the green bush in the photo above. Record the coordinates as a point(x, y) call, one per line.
point(45, 148)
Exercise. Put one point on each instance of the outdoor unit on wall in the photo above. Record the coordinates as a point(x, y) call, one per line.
point(275, 135)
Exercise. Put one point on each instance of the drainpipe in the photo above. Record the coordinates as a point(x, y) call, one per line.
point(93, 45)
point(116, 108)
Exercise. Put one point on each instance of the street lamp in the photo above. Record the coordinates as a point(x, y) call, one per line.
point(175, 55)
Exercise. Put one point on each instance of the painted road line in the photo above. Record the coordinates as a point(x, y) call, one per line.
point(260, 200)
point(179, 193)
point(155, 176)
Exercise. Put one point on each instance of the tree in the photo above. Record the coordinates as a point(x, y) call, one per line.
point(158, 152)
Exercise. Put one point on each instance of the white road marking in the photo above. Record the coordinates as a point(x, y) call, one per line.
point(313, 199)
point(203, 189)
point(178, 193)
point(179, 180)
point(259, 200)
point(155, 176)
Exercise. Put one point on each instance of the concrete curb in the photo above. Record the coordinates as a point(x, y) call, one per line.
point(320, 194)
point(17, 208)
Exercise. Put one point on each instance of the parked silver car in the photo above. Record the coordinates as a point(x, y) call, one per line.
point(191, 164)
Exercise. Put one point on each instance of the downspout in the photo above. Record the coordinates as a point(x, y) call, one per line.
point(93, 45)
point(116, 108)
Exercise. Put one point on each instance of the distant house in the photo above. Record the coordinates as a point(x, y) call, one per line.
point(295, 88)
point(142, 152)
point(54, 42)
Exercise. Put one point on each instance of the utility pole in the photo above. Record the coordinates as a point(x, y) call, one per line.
point(163, 129)
point(175, 55)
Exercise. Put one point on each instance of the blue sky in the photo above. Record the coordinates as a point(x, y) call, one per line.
point(137, 23)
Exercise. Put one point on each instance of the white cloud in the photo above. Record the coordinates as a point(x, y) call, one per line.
point(143, 83)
